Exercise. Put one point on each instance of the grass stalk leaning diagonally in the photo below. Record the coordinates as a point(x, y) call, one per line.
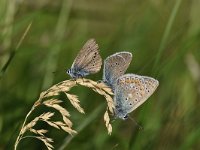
point(166, 33)
point(55, 49)
point(47, 99)
point(12, 53)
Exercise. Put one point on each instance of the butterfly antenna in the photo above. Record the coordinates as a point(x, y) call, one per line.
point(56, 71)
point(133, 120)
point(115, 146)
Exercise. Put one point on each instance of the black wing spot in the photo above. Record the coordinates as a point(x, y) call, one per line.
point(130, 104)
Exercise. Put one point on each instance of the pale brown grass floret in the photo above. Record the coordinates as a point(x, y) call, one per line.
point(47, 98)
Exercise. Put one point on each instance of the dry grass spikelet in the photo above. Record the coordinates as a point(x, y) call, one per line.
point(75, 102)
point(46, 141)
point(107, 122)
point(101, 89)
point(47, 98)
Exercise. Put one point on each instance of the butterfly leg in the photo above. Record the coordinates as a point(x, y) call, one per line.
point(100, 81)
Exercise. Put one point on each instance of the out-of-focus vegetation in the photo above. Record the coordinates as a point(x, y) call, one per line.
point(164, 37)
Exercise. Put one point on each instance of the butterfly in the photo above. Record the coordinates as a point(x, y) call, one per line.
point(115, 66)
point(131, 91)
point(88, 61)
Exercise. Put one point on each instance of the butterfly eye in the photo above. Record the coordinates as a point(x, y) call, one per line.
point(125, 117)
point(68, 71)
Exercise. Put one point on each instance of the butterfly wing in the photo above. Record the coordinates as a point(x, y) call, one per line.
point(115, 66)
point(88, 59)
point(95, 64)
point(133, 90)
point(127, 56)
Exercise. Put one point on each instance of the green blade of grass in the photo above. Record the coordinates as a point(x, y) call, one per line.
point(12, 53)
point(166, 33)
point(55, 48)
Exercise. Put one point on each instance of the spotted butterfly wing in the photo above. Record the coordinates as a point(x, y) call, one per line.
point(115, 66)
point(88, 61)
point(132, 91)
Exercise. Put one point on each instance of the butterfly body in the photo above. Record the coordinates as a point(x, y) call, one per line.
point(88, 61)
point(77, 73)
point(131, 91)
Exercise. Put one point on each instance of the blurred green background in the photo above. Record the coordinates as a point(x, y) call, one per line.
point(164, 37)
